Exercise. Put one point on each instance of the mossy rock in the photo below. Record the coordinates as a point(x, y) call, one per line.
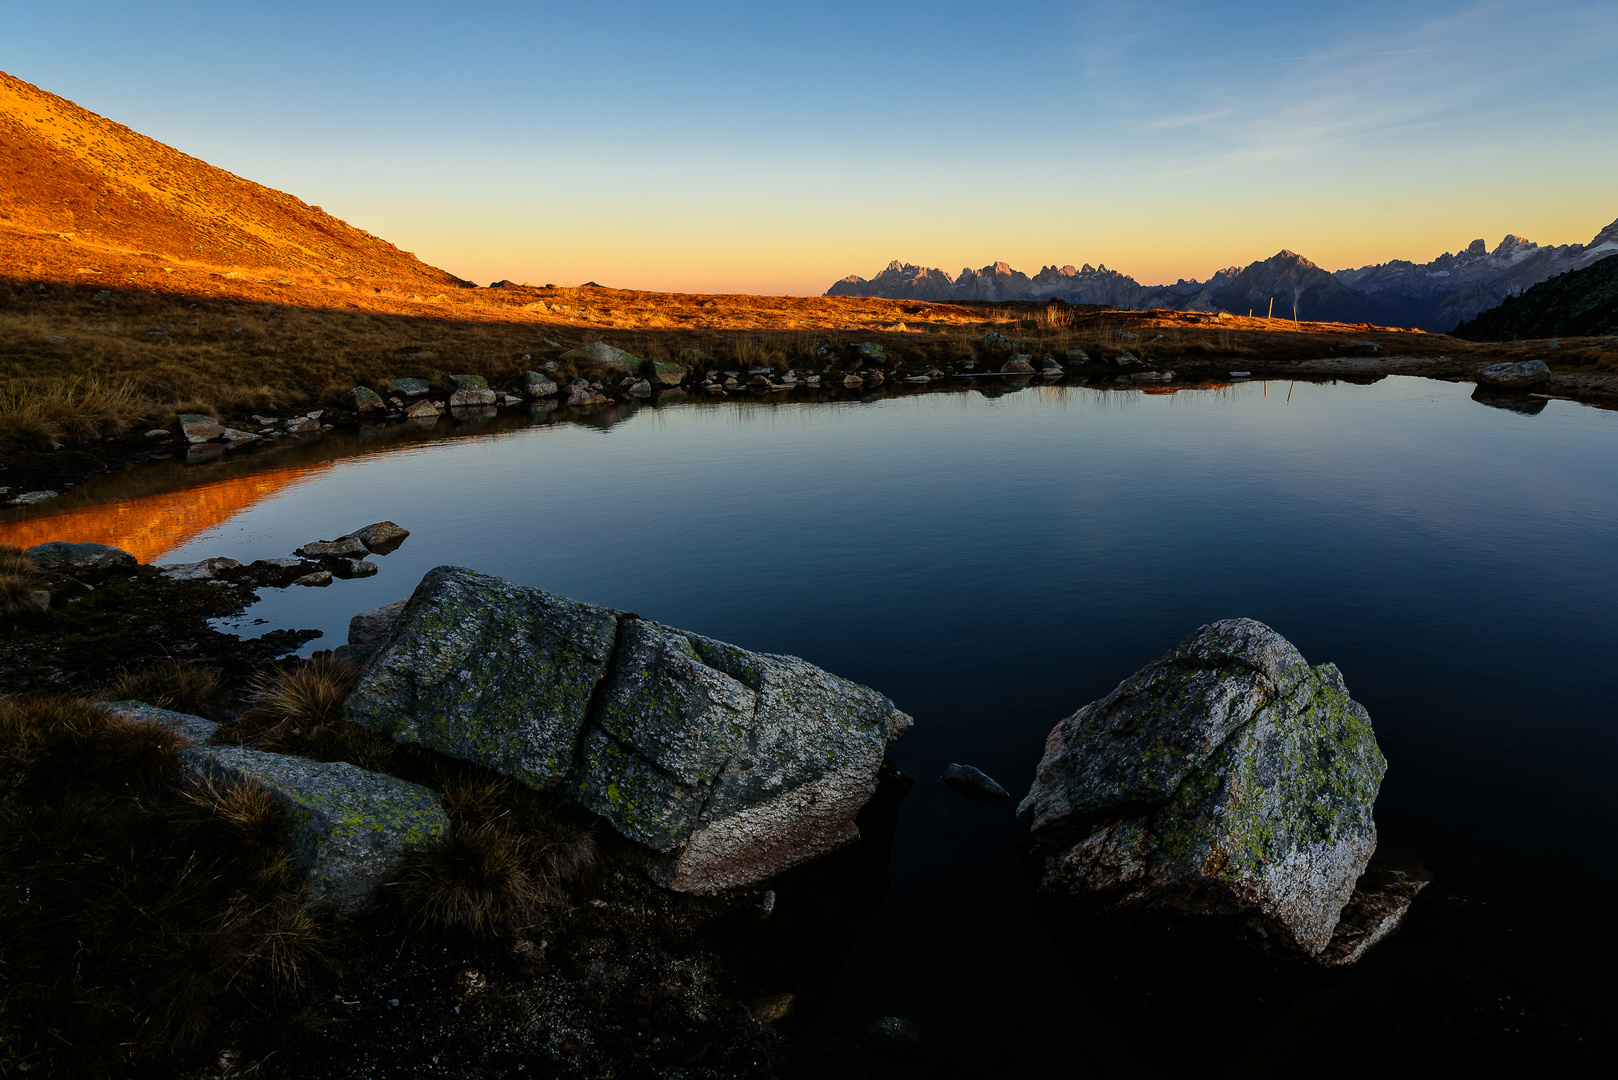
point(349, 829)
point(599, 354)
point(1229, 781)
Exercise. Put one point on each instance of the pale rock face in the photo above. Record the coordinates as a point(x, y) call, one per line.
point(1513, 375)
point(1228, 782)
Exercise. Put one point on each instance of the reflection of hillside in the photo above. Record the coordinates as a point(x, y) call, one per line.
point(151, 526)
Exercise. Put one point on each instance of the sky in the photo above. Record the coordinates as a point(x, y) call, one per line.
point(777, 147)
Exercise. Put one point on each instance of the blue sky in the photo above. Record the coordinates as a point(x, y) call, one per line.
point(749, 147)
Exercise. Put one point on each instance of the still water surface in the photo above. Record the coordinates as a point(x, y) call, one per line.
point(992, 563)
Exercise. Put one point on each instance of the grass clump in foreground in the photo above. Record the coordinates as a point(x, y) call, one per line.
point(168, 684)
point(20, 585)
point(140, 911)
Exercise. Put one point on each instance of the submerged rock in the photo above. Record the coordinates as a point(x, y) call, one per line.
point(733, 765)
point(973, 783)
point(192, 728)
point(350, 828)
point(61, 555)
point(1227, 782)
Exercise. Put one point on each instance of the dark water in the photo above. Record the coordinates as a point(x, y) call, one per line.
point(992, 564)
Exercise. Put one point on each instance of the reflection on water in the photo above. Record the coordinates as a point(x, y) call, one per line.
point(993, 559)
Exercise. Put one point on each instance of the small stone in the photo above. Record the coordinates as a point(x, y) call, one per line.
point(585, 397)
point(366, 400)
point(973, 783)
point(352, 568)
point(302, 425)
point(472, 398)
point(158, 433)
point(382, 537)
point(200, 429)
point(853, 382)
point(56, 339)
point(234, 435)
point(773, 1007)
point(197, 571)
point(641, 389)
point(343, 547)
point(1078, 356)
point(766, 904)
point(1241, 374)
point(320, 578)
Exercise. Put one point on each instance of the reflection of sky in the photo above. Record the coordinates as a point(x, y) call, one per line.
point(777, 147)
point(992, 564)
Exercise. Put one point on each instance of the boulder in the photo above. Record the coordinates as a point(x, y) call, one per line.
point(381, 537)
point(1017, 365)
point(586, 396)
point(490, 672)
point(1510, 376)
point(871, 351)
point(349, 829)
point(537, 385)
point(667, 374)
point(200, 429)
point(371, 630)
point(640, 388)
point(302, 425)
point(973, 783)
point(409, 387)
point(194, 729)
point(422, 412)
point(352, 568)
point(206, 570)
point(1078, 356)
point(1049, 366)
point(61, 555)
point(469, 382)
point(853, 382)
point(731, 765)
point(600, 354)
point(344, 547)
point(365, 400)
point(1226, 784)
point(315, 579)
point(473, 398)
point(994, 341)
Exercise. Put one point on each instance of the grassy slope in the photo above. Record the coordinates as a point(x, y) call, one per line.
point(1579, 302)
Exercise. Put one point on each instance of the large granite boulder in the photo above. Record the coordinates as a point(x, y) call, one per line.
point(1228, 782)
point(488, 671)
point(735, 764)
point(349, 829)
point(1511, 376)
point(731, 765)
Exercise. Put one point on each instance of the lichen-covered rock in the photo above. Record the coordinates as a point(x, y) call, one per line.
point(193, 728)
point(870, 350)
point(61, 555)
point(1229, 781)
point(667, 374)
point(409, 387)
point(381, 537)
point(365, 400)
point(472, 399)
point(349, 828)
point(537, 385)
point(488, 671)
point(199, 429)
point(469, 382)
point(736, 764)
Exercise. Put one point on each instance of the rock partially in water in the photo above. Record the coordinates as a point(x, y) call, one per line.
point(62, 555)
point(1378, 907)
point(732, 765)
point(1227, 783)
point(422, 412)
point(973, 783)
point(350, 829)
point(381, 537)
point(472, 398)
point(371, 630)
point(488, 671)
point(351, 568)
point(303, 425)
point(365, 400)
point(194, 729)
point(1017, 365)
point(344, 547)
point(314, 579)
point(585, 397)
point(536, 385)
point(853, 382)
point(667, 374)
point(1522, 374)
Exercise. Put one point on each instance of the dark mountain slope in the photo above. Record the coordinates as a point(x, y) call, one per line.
point(1579, 303)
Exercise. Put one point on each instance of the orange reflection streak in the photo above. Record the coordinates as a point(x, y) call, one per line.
point(151, 526)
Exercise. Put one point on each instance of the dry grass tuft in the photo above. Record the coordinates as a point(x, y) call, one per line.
point(137, 915)
point(171, 684)
point(20, 585)
point(298, 709)
point(506, 866)
point(36, 411)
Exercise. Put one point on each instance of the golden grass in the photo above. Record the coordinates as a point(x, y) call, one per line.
point(171, 684)
point(20, 585)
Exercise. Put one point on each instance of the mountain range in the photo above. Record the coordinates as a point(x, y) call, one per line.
point(1433, 296)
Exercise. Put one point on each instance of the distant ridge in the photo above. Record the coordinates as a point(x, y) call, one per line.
point(1579, 303)
point(82, 189)
point(1432, 296)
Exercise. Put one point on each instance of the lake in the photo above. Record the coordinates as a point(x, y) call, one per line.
point(992, 563)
